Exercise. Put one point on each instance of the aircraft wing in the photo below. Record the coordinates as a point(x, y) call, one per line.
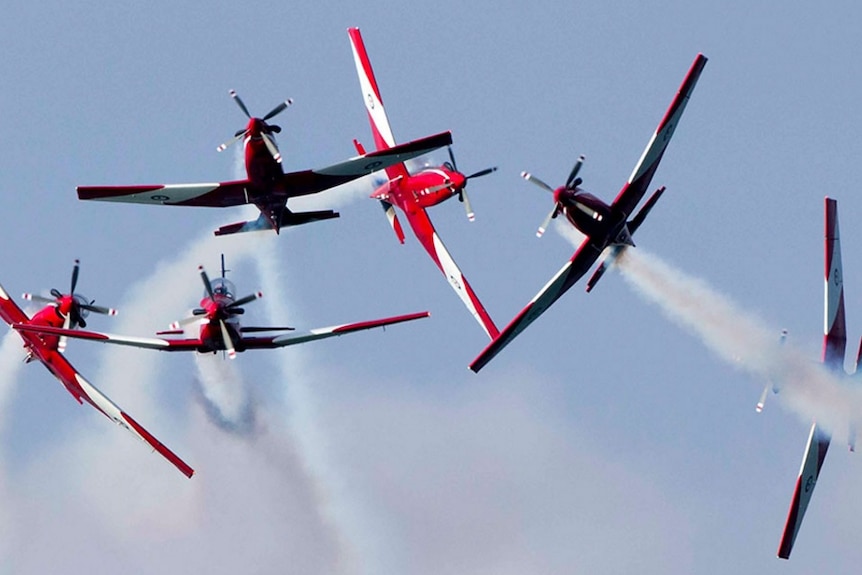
point(9, 310)
point(324, 332)
point(240, 192)
point(642, 175)
point(313, 181)
point(569, 274)
point(812, 463)
point(834, 346)
point(132, 341)
point(63, 370)
point(432, 243)
point(215, 195)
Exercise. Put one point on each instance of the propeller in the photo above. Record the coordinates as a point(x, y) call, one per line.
point(556, 209)
point(572, 182)
point(462, 193)
point(79, 307)
point(219, 314)
point(265, 129)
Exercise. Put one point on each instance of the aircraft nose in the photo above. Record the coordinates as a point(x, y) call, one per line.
point(560, 194)
point(458, 180)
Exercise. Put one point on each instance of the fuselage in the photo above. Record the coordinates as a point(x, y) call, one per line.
point(210, 329)
point(428, 187)
point(261, 167)
point(52, 316)
point(598, 221)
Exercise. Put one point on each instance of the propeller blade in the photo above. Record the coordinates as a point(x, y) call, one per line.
point(244, 300)
point(446, 184)
point(240, 135)
point(270, 145)
point(186, 320)
point(99, 309)
point(481, 173)
point(278, 109)
point(228, 342)
point(75, 270)
point(531, 178)
point(39, 298)
point(547, 221)
point(589, 211)
point(61, 344)
point(205, 278)
point(466, 199)
point(56, 293)
point(452, 158)
point(577, 168)
point(239, 103)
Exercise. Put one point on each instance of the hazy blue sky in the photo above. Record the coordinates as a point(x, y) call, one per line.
point(605, 439)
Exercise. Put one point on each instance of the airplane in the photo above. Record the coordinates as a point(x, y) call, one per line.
point(69, 311)
point(834, 348)
point(266, 185)
point(607, 228)
point(220, 328)
point(413, 193)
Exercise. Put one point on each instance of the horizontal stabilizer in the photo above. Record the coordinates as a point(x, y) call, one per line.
point(636, 222)
point(288, 218)
point(603, 267)
point(389, 210)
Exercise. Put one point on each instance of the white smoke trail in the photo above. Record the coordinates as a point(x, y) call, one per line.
point(745, 341)
point(11, 354)
point(301, 408)
point(226, 397)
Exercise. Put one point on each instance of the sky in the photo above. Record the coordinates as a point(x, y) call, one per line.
point(612, 435)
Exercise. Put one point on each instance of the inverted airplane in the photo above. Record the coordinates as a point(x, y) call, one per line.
point(220, 328)
point(412, 193)
point(66, 312)
point(266, 185)
point(834, 348)
point(606, 227)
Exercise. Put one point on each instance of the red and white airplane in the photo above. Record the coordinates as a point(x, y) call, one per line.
point(605, 226)
point(266, 185)
point(412, 193)
point(65, 312)
point(834, 346)
point(220, 328)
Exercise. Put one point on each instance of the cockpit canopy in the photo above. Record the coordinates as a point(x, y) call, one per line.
point(222, 288)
